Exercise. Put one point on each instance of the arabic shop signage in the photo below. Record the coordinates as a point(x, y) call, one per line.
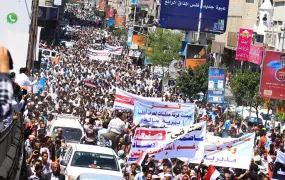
point(244, 42)
point(216, 85)
point(183, 14)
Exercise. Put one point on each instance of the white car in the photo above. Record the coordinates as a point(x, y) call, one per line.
point(71, 127)
point(81, 158)
point(89, 176)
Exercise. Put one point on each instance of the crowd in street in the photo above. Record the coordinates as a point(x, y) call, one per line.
point(66, 92)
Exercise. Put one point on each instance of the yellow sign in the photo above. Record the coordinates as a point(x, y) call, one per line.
point(193, 63)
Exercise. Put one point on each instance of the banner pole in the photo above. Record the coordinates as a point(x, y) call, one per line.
point(199, 23)
point(135, 11)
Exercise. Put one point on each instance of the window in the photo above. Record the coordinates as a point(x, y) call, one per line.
point(249, 1)
point(94, 160)
point(278, 4)
point(71, 134)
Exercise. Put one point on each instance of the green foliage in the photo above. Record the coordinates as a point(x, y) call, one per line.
point(280, 116)
point(194, 81)
point(165, 45)
point(121, 33)
point(69, 1)
point(245, 88)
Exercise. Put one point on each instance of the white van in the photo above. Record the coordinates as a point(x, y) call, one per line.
point(71, 127)
point(46, 53)
point(81, 159)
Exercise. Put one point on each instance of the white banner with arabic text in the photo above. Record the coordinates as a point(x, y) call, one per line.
point(113, 50)
point(101, 55)
point(187, 142)
point(163, 114)
point(228, 152)
point(124, 99)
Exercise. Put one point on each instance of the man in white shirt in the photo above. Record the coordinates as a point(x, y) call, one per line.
point(23, 80)
point(116, 128)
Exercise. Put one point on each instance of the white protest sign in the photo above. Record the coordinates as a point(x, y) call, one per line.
point(163, 114)
point(169, 142)
point(102, 55)
point(126, 100)
point(228, 152)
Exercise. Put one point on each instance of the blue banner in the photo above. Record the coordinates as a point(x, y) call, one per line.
point(41, 85)
point(184, 15)
point(130, 36)
point(111, 21)
point(163, 114)
point(183, 47)
point(216, 85)
point(147, 61)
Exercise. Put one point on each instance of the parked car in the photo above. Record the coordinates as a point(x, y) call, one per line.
point(81, 158)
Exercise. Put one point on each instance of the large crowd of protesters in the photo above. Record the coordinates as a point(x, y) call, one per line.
point(65, 92)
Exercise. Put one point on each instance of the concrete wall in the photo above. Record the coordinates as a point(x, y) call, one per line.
point(240, 15)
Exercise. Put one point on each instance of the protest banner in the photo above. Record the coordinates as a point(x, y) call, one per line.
point(113, 50)
point(126, 100)
point(228, 152)
point(244, 42)
point(163, 114)
point(279, 167)
point(186, 141)
point(102, 55)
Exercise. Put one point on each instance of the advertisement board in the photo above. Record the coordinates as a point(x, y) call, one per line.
point(244, 42)
point(138, 40)
point(174, 15)
point(193, 63)
point(15, 21)
point(130, 36)
point(110, 13)
point(102, 4)
point(120, 21)
point(195, 55)
point(255, 54)
point(216, 85)
point(273, 76)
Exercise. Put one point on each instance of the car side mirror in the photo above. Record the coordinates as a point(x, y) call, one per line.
point(63, 163)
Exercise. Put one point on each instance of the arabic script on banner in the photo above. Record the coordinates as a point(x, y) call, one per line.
point(244, 42)
point(163, 114)
point(228, 152)
point(126, 100)
point(169, 142)
point(193, 5)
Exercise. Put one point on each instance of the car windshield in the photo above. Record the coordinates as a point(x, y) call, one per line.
point(94, 160)
point(71, 134)
point(266, 116)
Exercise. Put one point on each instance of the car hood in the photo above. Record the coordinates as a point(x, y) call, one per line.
point(76, 171)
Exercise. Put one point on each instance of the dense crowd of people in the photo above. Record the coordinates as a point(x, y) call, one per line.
point(66, 92)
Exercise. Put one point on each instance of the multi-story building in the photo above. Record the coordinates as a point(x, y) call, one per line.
point(241, 14)
point(279, 21)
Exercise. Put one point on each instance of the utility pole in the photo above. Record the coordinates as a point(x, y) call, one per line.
point(33, 36)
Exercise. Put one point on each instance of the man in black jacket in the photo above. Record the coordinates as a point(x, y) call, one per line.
point(55, 174)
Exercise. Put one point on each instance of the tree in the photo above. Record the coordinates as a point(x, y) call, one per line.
point(194, 81)
point(245, 88)
point(165, 45)
point(280, 110)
